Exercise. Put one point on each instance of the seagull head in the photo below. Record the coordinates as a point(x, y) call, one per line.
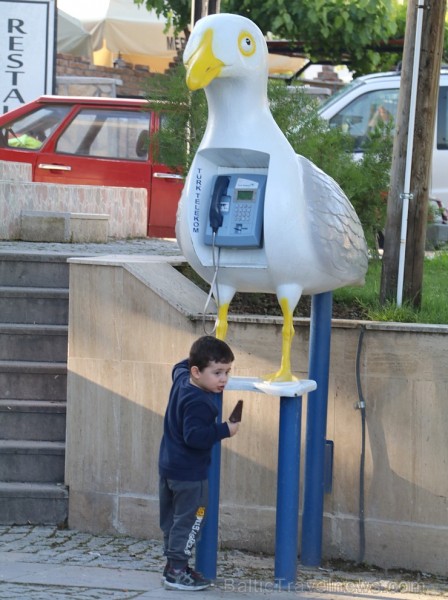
point(224, 45)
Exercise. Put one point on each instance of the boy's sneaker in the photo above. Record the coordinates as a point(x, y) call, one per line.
point(165, 571)
point(185, 579)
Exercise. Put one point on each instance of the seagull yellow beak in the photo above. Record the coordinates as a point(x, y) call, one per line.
point(203, 66)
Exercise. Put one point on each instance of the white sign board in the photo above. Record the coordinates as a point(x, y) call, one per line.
point(27, 38)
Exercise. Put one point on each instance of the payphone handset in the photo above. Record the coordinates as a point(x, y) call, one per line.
point(235, 219)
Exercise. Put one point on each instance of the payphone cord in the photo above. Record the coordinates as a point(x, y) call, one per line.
point(215, 259)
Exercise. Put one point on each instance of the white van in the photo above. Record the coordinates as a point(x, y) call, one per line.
point(358, 106)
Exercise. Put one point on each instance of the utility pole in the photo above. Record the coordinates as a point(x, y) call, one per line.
point(426, 104)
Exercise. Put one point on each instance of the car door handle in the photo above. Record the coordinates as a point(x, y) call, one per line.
point(54, 167)
point(167, 176)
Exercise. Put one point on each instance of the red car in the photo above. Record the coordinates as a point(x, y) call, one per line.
point(95, 141)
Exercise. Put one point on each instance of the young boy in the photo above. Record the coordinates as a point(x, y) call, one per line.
point(190, 430)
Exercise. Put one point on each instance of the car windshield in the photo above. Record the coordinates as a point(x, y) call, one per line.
point(344, 90)
point(367, 112)
point(31, 131)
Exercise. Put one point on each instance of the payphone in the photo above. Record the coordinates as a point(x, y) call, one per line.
point(236, 211)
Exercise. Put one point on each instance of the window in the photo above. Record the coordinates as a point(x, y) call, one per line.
point(102, 133)
point(362, 115)
point(32, 130)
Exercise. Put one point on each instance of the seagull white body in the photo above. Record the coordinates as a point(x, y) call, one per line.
point(312, 238)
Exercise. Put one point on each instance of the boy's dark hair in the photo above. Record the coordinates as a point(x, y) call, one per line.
point(207, 349)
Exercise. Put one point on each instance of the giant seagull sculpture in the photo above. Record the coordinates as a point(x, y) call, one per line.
point(312, 239)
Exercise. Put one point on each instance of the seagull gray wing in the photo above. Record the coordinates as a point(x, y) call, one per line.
point(336, 231)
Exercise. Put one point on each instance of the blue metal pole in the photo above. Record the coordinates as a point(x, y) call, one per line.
point(288, 473)
point(207, 545)
point(319, 365)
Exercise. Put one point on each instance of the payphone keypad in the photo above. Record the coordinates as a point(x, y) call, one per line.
point(242, 212)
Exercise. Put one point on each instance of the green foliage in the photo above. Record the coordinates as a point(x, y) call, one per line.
point(184, 126)
point(359, 302)
point(434, 307)
point(365, 182)
point(329, 29)
point(177, 12)
point(390, 312)
point(335, 30)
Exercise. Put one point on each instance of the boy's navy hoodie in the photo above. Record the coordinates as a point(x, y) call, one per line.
point(189, 429)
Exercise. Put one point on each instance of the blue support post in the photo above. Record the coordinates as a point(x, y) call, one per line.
point(319, 365)
point(207, 546)
point(288, 474)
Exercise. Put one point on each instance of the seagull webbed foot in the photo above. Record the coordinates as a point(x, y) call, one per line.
point(282, 375)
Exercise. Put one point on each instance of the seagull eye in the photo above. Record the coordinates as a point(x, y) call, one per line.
point(246, 43)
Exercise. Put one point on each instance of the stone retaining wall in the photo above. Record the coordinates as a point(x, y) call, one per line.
point(131, 321)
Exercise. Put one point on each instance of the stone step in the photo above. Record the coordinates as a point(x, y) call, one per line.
point(25, 380)
point(32, 420)
point(33, 388)
point(34, 305)
point(33, 503)
point(31, 461)
point(28, 380)
point(34, 270)
point(33, 342)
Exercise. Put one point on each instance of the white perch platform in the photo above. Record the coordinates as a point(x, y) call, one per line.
point(286, 389)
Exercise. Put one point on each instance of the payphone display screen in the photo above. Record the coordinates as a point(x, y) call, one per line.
point(245, 195)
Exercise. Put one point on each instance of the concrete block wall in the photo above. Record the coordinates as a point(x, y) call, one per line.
point(134, 80)
point(12, 171)
point(131, 321)
point(126, 207)
point(41, 226)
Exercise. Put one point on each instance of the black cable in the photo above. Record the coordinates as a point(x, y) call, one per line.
point(362, 408)
point(213, 285)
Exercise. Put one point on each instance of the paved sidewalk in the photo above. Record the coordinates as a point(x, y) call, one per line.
point(44, 563)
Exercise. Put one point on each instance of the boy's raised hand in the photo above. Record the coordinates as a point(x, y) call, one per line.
point(233, 427)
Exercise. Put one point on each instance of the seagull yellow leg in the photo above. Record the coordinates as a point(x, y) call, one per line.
point(221, 321)
point(285, 373)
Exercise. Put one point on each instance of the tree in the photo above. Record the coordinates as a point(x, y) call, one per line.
point(337, 31)
point(330, 29)
point(176, 12)
point(427, 91)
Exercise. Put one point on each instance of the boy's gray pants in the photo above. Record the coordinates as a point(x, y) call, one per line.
point(182, 511)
